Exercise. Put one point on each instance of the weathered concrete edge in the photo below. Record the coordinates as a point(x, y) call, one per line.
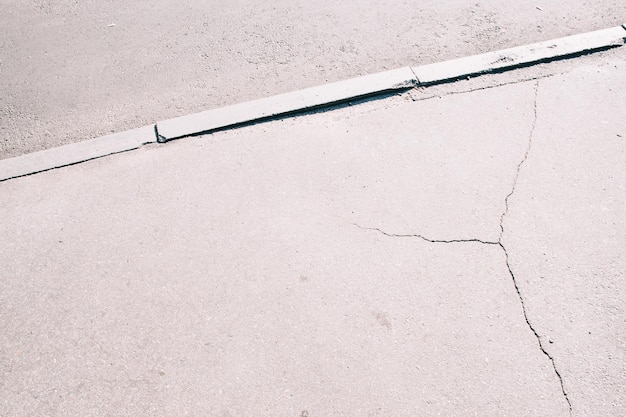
point(308, 98)
point(511, 58)
point(74, 153)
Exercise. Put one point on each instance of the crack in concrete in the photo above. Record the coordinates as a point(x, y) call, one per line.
point(501, 245)
point(486, 87)
point(506, 253)
point(418, 82)
point(484, 242)
point(532, 328)
point(524, 159)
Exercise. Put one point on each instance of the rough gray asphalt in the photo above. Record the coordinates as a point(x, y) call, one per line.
point(74, 70)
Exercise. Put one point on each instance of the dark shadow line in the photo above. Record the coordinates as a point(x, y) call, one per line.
point(321, 108)
point(72, 163)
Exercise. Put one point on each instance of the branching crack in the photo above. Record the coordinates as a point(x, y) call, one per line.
point(499, 243)
point(506, 254)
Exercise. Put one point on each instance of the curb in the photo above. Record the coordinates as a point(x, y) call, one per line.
point(75, 153)
point(521, 56)
point(310, 98)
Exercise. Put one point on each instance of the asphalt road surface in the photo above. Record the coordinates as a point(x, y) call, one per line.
point(73, 70)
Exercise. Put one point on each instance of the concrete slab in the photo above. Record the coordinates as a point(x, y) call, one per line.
point(225, 275)
point(565, 232)
point(321, 319)
point(518, 56)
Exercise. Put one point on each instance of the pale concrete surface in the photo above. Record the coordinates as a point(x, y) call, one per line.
point(241, 273)
point(66, 75)
point(565, 231)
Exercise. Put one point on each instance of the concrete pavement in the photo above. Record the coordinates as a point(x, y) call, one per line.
point(454, 251)
point(565, 233)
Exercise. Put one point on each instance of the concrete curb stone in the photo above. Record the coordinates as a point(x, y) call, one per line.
point(73, 153)
point(519, 56)
point(398, 79)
